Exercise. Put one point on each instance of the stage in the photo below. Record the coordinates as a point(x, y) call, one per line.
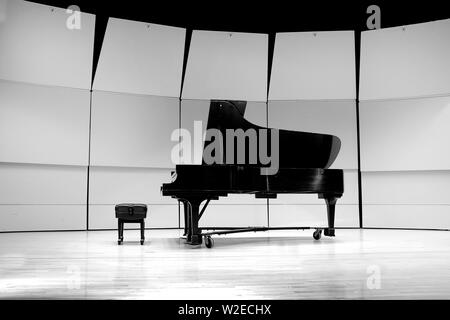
point(356, 264)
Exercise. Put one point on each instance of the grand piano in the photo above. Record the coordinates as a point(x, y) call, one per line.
point(303, 162)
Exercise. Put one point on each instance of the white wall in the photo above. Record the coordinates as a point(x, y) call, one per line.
point(37, 47)
point(35, 184)
point(406, 61)
point(45, 76)
point(141, 58)
point(45, 81)
point(135, 108)
point(43, 124)
point(132, 130)
point(47, 112)
point(226, 65)
point(226, 214)
point(158, 216)
point(313, 66)
point(42, 197)
point(43, 217)
point(404, 116)
point(312, 89)
point(111, 185)
point(405, 134)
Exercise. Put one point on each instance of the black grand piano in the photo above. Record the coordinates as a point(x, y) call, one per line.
point(303, 162)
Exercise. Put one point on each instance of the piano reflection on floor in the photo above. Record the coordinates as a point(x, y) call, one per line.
point(303, 159)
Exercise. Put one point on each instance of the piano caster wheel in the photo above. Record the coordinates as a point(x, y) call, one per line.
point(119, 242)
point(209, 242)
point(142, 242)
point(317, 234)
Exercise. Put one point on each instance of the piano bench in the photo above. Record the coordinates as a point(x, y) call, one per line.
point(130, 213)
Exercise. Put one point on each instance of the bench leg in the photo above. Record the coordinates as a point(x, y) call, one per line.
point(142, 231)
point(120, 230)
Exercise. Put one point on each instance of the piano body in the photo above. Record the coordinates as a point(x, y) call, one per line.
point(304, 159)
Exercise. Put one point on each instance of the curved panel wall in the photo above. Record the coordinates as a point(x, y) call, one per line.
point(47, 111)
point(135, 109)
point(37, 47)
point(313, 66)
point(405, 134)
point(141, 58)
point(227, 65)
point(312, 88)
point(43, 124)
point(35, 184)
point(132, 130)
point(45, 78)
point(404, 116)
point(405, 62)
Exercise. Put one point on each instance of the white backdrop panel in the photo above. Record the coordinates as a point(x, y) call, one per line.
point(291, 215)
point(408, 61)
point(112, 185)
point(37, 46)
point(313, 65)
point(132, 130)
point(158, 216)
point(407, 216)
point(234, 215)
point(42, 217)
point(141, 58)
point(42, 184)
point(40, 124)
point(406, 187)
point(227, 65)
point(410, 134)
point(329, 117)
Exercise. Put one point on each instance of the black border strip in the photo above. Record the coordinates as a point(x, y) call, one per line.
point(358, 139)
point(89, 161)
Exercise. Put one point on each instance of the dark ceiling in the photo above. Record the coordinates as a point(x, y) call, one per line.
point(262, 16)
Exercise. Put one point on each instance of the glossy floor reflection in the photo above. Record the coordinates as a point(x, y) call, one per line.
point(356, 264)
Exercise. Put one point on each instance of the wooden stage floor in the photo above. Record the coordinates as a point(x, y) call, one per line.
point(356, 264)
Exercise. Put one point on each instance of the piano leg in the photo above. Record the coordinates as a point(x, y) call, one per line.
point(195, 235)
point(330, 200)
point(186, 218)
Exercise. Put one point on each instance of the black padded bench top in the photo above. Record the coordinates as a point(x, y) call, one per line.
point(131, 211)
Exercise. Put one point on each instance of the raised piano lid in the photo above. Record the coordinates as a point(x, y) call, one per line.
point(296, 149)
